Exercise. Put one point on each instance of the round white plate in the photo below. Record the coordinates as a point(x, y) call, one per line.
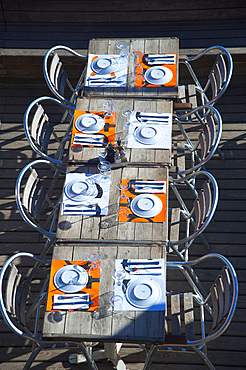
point(71, 278)
point(143, 293)
point(104, 65)
point(158, 75)
point(146, 205)
point(89, 123)
point(80, 190)
point(149, 135)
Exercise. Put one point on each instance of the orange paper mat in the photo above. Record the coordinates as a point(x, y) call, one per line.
point(108, 130)
point(145, 66)
point(92, 287)
point(161, 217)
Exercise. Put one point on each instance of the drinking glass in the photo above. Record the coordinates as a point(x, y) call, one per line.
point(105, 170)
point(94, 257)
point(127, 113)
point(108, 108)
point(123, 199)
point(118, 276)
point(116, 302)
point(138, 69)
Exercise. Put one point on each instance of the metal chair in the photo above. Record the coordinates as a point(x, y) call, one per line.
point(201, 129)
point(186, 309)
point(36, 200)
point(44, 131)
point(22, 307)
point(189, 218)
point(57, 78)
point(218, 78)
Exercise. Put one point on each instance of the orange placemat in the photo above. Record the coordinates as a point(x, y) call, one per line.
point(108, 130)
point(145, 66)
point(161, 217)
point(92, 287)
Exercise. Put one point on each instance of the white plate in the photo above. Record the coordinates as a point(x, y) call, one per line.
point(104, 65)
point(71, 278)
point(89, 123)
point(149, 135)
point(158, 75)
point(143, 293)
point(146, 205)
point(80, 190)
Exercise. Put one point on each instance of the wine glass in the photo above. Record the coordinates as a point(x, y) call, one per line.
point(105, 170)
point(127, 113)
point(94, 257)
point(124, 50)
point(118, 276)
point(123, 199)
point(138, 69)
point(108, 108)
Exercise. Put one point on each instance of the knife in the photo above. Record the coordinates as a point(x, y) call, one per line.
point(89, 142)
point(147, 183)
point(152, 115)
point(125, 263)
point(72, 303)
point(81, 210)
point(156, 56)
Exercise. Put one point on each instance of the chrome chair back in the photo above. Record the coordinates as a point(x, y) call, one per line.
point(190, 219)
point(56, 76)
point(218, 78)
point(23, 302)
point(201, 129)
point(36, 200)
point(48, 136)
point(188, 309)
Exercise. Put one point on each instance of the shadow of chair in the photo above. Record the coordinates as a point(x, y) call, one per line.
point(23, 307)
point(195, 318)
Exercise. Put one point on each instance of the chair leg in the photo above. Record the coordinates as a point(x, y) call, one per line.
point(88, 356)
point(33, 355)
point(204, 357)
point(149, 357)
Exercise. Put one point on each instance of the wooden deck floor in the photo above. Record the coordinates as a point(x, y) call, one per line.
point(227, 235)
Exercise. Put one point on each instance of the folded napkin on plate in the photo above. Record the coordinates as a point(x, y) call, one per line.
point(71, 301)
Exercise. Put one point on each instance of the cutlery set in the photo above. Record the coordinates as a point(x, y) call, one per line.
point(148, 186)
point(142, 268)
point(67, 300)
point(96, 140)
point(160, 59)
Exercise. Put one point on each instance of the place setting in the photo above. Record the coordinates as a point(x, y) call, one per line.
point(148, 130)
point(87, 194)
point(155, 69)
point(74, 285)
point(94, 128)
point(142, 201)
point(107, 70)
point(139, 285)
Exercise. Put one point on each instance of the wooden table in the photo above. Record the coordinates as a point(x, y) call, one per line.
point(146, 156)
point(133, 326)
point(106, 229)
point(146, 45)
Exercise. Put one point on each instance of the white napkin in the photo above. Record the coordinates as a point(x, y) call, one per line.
point(71, 301)
point(166, 129)
point(121, 72)
point(71, 207)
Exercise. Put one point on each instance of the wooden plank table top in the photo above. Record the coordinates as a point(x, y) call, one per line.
point(147, 156)
point(107, 229)
point(125, 326)
point(146, 46)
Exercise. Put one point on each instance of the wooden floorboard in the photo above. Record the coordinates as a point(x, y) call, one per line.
point(226, 234)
